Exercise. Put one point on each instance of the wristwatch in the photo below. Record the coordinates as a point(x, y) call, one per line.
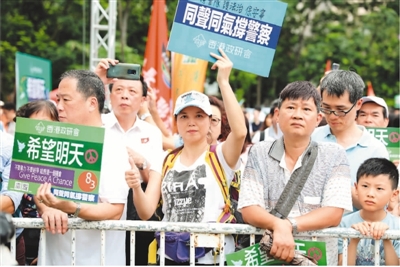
point(143, 166)
point(78, 209)
point(145, 116)
point(293, 222)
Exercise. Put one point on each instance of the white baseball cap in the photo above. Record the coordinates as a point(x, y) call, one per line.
point(193, 99)
point(377, 100)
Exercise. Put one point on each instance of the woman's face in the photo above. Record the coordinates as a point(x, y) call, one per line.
point(215, 125)
point(41, 115)
point(193, 124)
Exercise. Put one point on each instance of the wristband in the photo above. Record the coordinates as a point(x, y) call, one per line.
point(145, 116)
point(78, 209)
point(143, 166)
point(293, 222)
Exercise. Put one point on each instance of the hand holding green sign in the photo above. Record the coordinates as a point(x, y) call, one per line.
point(67, 157)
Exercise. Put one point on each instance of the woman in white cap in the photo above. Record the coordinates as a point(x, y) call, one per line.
point(189, 189)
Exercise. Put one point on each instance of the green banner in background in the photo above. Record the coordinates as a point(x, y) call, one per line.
point(254, 256)
point(32, 78)
point(66, 155)
point(390, 137)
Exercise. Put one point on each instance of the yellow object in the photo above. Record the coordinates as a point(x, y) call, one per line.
point(152, 256)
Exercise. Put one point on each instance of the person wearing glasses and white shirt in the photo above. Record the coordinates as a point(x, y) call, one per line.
point(341, 92)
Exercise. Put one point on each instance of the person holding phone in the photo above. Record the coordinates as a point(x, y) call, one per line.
point(128, 94)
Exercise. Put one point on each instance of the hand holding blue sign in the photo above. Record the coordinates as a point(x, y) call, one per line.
point(224, 66)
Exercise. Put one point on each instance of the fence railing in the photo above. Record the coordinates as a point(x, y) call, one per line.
point(202, 235)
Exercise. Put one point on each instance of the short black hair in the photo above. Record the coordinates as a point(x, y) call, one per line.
point(8, 106)
point(300, 90)
point(379, 166)
point(89, 84)
point(33, 107)
point(258, 108)
point(274, 105)
point(144, 86)
point(337, 82)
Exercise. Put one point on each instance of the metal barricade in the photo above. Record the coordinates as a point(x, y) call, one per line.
point(202, 235)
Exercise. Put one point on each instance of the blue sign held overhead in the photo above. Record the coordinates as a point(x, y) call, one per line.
point(248, 31)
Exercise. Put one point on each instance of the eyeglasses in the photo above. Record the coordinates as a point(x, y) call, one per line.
point(215, 121)
point(339, 113)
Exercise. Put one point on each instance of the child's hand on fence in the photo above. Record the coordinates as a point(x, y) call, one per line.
point(377, 229)
point(362, 227)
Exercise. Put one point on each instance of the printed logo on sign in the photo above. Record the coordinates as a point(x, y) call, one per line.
point(199, 40)
point(394, 137)
point(315, 253)
point(91, 156)
point(21, 146)
point(21, 186)
point(87, 181)
point(40, 127)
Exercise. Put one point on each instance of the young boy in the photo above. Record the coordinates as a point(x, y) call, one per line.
point(377, 181)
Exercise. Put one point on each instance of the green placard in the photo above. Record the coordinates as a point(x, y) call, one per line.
point(390, 137)
point(32, 78)
point(66, 155)
point(254, 256)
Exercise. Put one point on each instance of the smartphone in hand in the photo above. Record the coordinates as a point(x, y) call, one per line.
point(124, 71)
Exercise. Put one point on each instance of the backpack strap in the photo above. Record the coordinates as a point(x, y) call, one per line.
point(219, 174)
point(169, 161)
point(262, 136)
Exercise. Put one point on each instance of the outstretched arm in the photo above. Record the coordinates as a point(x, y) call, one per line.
point(232, 147)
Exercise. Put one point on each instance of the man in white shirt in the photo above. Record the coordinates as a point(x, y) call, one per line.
point(80, 100)
point(143, 139)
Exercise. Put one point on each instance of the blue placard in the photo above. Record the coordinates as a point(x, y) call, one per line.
point(248, 31)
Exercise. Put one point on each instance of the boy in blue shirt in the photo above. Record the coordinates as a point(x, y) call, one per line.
point(377, 181)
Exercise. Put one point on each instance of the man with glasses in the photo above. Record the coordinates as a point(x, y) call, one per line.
point(341, 92)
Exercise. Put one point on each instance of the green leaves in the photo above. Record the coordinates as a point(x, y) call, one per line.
point(359, 34)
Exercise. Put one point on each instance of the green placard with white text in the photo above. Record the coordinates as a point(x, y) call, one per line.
point(66, 155)
point(390, 137)
point(254, 256)
point(32, 78)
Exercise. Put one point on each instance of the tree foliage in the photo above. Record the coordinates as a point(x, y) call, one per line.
point(362, 34)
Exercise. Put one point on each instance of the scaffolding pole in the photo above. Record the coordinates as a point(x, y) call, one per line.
point(102, 31)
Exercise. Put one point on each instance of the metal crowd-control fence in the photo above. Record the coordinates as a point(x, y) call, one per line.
point(202, 235)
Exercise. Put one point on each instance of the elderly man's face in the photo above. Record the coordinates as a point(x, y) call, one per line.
point(372, 115)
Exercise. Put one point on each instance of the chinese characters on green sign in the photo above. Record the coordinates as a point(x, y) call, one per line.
point(66, 155)
point(254, 256)
point(390, 137)
point(32, 77)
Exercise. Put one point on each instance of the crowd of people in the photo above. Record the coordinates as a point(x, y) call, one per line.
point(149, 174)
